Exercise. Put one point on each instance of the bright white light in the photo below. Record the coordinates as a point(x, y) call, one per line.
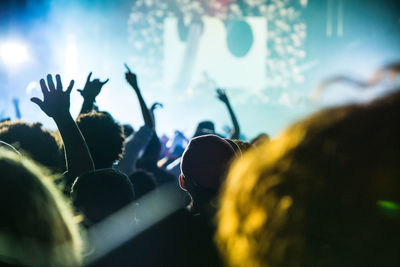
point(303, 3)
point(13, 53)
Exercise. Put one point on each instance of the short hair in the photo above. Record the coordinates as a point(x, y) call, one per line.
point(36, 226)
point(100, 193)
point(31, 139)
point(143, 182)
point(104, 137)
point(328, 193)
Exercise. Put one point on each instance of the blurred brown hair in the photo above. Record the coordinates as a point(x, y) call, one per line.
point(328, 193)
point(36, 226)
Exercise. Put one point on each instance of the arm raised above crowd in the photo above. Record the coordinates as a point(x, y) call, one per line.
point(132, 80)
point(89, 93)
point(152, 108)
point(221, 95)
point(55, 104)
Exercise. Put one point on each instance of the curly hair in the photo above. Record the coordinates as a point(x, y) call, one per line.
point(40, 144)
point(324, 193)
point(104, 137)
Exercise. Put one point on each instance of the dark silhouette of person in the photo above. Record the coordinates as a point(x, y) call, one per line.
point(101, 193)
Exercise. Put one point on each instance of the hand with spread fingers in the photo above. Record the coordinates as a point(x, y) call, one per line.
point(92, 88)
point(221, 95)
point(56, 104)
point(55, 101)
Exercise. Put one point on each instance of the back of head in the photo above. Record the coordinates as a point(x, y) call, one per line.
point(100, 193)
point(204, 127)
point(104, 137)
point(244, 146)
point(143, 182)
point(35, 141)
point(128, 129)
point(326, 195)
point(36, 227)
point(259, 139)
point(204, 164)
point(151, 154)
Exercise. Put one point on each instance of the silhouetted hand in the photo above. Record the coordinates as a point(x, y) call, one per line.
point(155, 106)
point(92, 88)
point(221, 94)
point(131, 77)
point(55, 101)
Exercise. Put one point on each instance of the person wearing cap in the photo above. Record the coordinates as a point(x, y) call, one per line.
point(203, 167)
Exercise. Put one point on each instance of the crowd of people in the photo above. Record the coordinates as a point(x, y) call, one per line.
point(326, 192)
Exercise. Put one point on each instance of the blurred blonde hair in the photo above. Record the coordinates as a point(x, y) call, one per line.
point(324, 193)
point(36, 226)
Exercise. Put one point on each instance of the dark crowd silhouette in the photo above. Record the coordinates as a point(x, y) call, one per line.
point(325, 192)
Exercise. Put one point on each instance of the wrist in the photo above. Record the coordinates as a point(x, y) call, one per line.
point(89, 99)
point(62, 116)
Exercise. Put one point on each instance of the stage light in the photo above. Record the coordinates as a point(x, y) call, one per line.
point(13, 53)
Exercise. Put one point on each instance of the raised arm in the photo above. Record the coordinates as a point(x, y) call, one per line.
point(55, 104)
point(90, 92)
point(235, 133)
point(152, 108)
point(132, 80)
point(16, 108)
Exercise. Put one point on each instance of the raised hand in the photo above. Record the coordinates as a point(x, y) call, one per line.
point(131, 77)
point(155, 106)
point(55, 101)
point(55, 104)
point(221, 95)
point(146, 113)
point(92, 88)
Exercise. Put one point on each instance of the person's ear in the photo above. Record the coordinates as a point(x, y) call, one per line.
point(182, 183)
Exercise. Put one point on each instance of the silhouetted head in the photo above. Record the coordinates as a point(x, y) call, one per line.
point(143, 182)
point(235, 147)
point(36, 227)
point(259, 139)
point(204, 127)
point(243, 146)
point(128, 129)
point(328, 194)
point(104, 138)
point(203, 167)
point(33, 140)
point(100, 193)
point(151, 154)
